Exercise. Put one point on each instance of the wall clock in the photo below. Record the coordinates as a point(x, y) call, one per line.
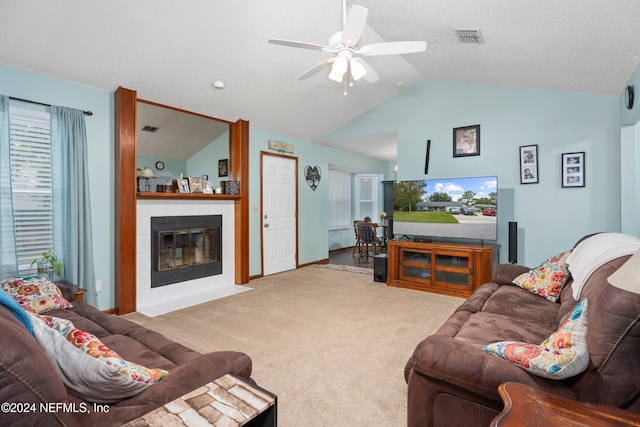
point(159, 165)
point(628, 97)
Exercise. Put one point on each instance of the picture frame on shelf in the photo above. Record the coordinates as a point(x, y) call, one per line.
point(466, 141)
point(207, 186)
point(573, 169)
point(529, 164)
point(223, 167)
point(195, 184)
point(183, 186)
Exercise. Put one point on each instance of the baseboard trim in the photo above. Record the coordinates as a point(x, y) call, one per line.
point(320, 261)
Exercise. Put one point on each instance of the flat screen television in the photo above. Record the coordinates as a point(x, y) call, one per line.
point(465, 208)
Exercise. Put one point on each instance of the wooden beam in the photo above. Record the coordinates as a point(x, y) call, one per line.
point(125, 201)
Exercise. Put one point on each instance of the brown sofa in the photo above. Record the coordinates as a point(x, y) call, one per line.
point(27, 377)
point(452, 381)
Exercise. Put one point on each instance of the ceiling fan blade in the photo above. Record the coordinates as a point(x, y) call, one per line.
point(370, 76)
point(316, 69)
point(392, 48)
point(302, 45)
point(354, 25)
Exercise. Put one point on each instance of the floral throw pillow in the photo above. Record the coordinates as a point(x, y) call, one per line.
point(564, 354)
point(88, 366)
point(35, 294)
point(547, 279)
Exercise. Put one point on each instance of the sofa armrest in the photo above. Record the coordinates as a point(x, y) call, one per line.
point(461, 365)
point(70, 292)
point(505, 273)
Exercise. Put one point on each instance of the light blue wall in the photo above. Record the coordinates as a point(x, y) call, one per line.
point(312, 205)
point(630, 159)
point(205, 162)
point(550, 218)
point(170, 165)
point(34, 87)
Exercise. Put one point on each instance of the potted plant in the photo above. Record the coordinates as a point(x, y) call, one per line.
point(48, 265)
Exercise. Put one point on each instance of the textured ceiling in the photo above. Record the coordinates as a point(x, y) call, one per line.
point(171, 51)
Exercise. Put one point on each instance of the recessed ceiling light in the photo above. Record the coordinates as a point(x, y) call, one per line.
point(400, 85)
point(218, 84)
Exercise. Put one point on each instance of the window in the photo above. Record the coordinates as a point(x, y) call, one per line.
point(339, 200)
point(367, 196)
point(31, 183)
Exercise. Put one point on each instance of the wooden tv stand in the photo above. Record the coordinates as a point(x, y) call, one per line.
point(448, 268)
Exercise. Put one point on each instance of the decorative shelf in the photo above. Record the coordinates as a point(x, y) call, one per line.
point(143, 195)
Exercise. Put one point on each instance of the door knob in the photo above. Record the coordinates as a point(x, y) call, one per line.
point(266, 226)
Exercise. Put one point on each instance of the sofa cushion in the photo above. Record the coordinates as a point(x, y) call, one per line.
point(547, 279)
point(35, 294)
point(564, 354)
point(89, 367)
point(517, 303)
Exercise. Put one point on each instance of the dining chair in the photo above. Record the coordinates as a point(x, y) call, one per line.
point(355, 231)
point(368, 238)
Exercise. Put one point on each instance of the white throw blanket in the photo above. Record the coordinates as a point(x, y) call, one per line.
point(596, 251)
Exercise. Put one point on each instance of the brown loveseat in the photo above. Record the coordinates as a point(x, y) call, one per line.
point(452, 381)
point(28, 379)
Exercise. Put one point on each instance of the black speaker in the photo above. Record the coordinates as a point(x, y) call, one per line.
point(513, 242)
point(380, 268)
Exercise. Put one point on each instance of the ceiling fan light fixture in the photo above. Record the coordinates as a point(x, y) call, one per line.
point(336, 77)
point(357, 69)
point(340, 65)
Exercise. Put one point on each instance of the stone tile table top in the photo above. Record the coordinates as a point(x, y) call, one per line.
point(226, 402)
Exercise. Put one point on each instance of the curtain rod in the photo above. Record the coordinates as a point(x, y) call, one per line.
point(86, 113)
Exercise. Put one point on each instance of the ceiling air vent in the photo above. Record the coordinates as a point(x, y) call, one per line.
point(469, 36)
point(148, 128)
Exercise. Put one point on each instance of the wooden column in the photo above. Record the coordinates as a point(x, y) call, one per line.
point(240, 172)
point(125, 201)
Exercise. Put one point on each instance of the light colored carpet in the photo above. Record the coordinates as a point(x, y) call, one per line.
point(331, 344)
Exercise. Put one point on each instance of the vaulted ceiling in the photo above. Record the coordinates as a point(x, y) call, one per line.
point(171, 52)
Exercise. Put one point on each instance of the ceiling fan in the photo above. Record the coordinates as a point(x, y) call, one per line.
point(347, 64)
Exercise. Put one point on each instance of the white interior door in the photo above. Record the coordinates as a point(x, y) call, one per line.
point(279, 223)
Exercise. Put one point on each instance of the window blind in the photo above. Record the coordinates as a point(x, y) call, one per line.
point(339, 200)
point(31, 183)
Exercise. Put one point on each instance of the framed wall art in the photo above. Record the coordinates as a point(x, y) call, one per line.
point(223, 167)
point(466, 141)
point(529, 164)
point(573, 169)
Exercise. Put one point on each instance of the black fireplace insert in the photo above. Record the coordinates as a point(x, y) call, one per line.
point(185, 248)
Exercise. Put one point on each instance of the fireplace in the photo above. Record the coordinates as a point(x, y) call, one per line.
point(185, 248)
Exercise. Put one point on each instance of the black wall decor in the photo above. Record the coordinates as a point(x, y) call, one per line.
point(312, 174)
point(426, 160)
point(513, 242)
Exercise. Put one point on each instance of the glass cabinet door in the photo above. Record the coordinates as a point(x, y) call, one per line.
point(453, 268)
point(416, 265)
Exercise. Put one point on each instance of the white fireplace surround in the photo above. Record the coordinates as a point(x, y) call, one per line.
point(163, 299)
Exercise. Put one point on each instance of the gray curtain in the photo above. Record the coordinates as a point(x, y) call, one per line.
point(71, 202)
point(8, 257)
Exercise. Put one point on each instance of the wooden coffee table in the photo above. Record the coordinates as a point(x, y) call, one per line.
point(227, 401)
point(527, 406)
